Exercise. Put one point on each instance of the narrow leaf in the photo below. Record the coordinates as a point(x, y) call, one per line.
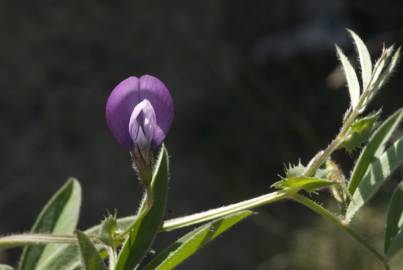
point(62, 257)
point(394, 60)
point(381, 63)
point(364, 57)
point(374, 148)
point(377, 173)
point(309, 184)
point(351, 77)
point(190, 243)
point(387, 70)
point(148, 223)
point(89, 254)
point(66, 257)
point(394, 223)
point(59, 216)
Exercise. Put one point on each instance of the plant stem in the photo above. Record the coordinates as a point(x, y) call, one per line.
point(208, 215)
point(335, 220)
point(38, 239)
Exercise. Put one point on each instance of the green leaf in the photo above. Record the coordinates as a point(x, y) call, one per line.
point(309, 184)
point(190, 243)
point(386, 68)
point(66, 257)
point(377, 173)
point(359, 132)
point(89, 254)
point(59, 216)
point(5, 267)
point(394, 223)
point(351, 77)
point(148, 223)
point(63, 257)
point(365, 59)
point(393, 62)
point(374, 148)
point(380, 67)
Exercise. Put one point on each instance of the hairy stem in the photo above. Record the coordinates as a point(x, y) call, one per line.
point(35, 239)
point(335, 220)
point(208, 215)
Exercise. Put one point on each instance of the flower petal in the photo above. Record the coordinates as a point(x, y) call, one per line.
point(143, 127)
point(119, 107)
point(158, 94)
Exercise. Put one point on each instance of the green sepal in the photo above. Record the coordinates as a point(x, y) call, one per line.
point(299, 170)
point(107, 230)
point(359, 132)
point(295, 170)
point(148, 221)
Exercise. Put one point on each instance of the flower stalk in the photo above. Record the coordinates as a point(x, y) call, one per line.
point(18, 240)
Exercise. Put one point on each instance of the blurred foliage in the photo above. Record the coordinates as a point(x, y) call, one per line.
point(324, 246)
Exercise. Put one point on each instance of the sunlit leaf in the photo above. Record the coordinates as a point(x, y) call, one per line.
point(59, 216)
point(378, 172)
point(190, 243)
point(299, 170)
point(387, 68)
point(380, 65)
point(89, 254)
point(351, 77)
point(365, 59)
point(374, 148)
point(394, 223)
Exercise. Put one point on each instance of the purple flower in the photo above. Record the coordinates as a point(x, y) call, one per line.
point(139, 112)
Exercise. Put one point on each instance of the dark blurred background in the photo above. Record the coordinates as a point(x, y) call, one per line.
point(255, 85)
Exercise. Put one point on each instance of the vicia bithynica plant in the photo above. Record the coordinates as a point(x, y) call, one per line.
point(139, 113)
